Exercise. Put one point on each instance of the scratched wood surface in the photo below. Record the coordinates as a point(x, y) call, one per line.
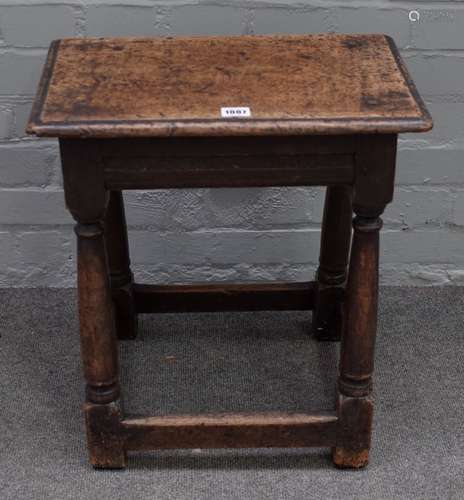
point(293, 84)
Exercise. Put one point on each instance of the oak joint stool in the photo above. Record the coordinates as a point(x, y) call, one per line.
point(244, 111)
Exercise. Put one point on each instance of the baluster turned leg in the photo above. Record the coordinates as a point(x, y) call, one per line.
point(120, 273)
point(331, 275)
point(87, 200)
point(355, 406)
point(373, 190)
point(99, 349)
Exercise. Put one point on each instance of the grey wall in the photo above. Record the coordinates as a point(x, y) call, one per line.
point(250, 234)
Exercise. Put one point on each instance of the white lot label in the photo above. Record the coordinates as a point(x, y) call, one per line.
point(235, 112)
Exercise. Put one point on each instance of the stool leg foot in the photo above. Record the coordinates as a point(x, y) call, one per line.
point(354, 433)
point(106, 450)
point(124, 309)
point(328, 313)
point(119, 263)
point(331, 276)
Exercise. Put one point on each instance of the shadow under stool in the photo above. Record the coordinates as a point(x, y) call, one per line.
point(243, 111)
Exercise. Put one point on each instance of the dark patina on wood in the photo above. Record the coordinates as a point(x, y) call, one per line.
point(224, 297)
point(339, 84)
point(231, 431)
point(144, 114)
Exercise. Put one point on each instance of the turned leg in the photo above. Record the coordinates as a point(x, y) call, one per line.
point(87, 200)
point(120, 273)
point(373, 190)
point(331, 275)
point(355, 406)
point(99, 349)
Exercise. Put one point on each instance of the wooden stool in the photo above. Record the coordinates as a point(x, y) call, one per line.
point(228, 112)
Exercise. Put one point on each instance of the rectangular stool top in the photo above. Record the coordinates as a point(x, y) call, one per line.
point(280, 85)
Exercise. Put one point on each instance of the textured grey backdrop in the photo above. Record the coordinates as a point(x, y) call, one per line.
point(250, 234)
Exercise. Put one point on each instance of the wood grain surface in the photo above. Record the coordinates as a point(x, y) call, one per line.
point(230, 431)
point(293, 84)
